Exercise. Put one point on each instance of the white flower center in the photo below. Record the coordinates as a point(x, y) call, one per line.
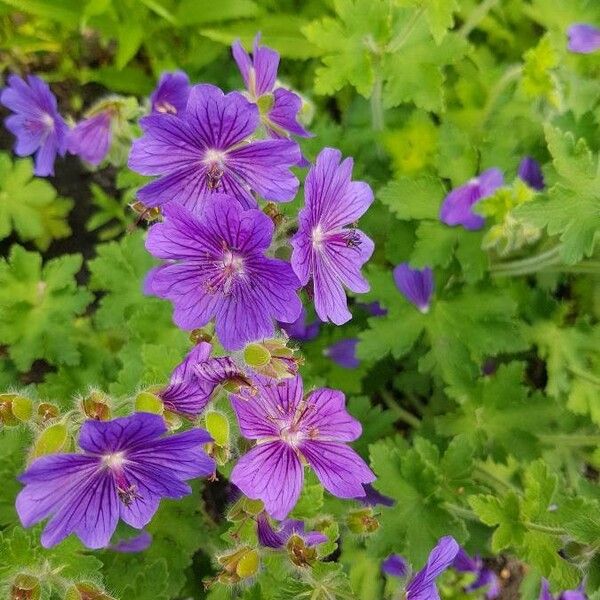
point(318, 237)
point(48, 121)
point(292, 436)
point(114, 461)
point(214, 157)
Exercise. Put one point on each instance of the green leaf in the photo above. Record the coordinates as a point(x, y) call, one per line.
point(30, 205)
point(413, 198)
point(38, 307)
point(226, 10)
point(440, 17)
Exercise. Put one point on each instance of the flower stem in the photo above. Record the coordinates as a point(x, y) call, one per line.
point(497, 483)
point(476, 17)
point(532, 264)
point(589, 377)
point(401, 413)
point(512, 74)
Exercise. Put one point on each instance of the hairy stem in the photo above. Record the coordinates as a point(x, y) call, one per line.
point(574, 440)
point(401, 413)
point(476, 17)
point(377, 115)
point(403, 35)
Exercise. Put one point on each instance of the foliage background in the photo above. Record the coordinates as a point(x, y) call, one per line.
point(424, 94)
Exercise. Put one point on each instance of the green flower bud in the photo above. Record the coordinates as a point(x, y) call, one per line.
point(256, 355)
point(51, 440)
point(149, 402)
point(300, 554)
point(86, 591)
point(248, 565)
point(47, 411)
point(14, 409)
point(25, 587)
point(362, 521)
point(217, 425)
point(238, 565)
point(96, 406)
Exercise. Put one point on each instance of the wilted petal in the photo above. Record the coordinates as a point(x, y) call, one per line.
point(90, 139)
point(395, 565)
point(422, 585)
point(343, 353)
point(583, 38)
point(531, 173)
point(415, 284)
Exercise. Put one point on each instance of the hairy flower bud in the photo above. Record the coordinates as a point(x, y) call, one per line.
point(51, 440)
point(14, 409)
point(148, 402)
point(245, 508)
point(96, 406)
point(272, 358)
point(25, 587)
point(86, 591)
point(301, 554)
point(47, 411)
point(238, 565)
point(362, 521)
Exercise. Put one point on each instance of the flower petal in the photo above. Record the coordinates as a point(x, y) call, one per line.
point(272, 473)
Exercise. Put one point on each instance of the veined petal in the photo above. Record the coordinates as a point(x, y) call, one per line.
point(270, 472)
point(220, 120)
point(284, 112)
point(339, 468)
point(329, 418)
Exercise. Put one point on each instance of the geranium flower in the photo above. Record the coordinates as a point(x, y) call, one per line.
point(484, 577)
point(207, 149)
point(279, 106)
point(132, 545)
point(545, 593)
point(187, 394)
point(583, 38)
point(325, 249)
point(422, 585)
point(90, 139)
point(293, 430)
point(219, 270)
point(126, 467)
point(37, 124)
point(171, 94)
point(343, 353)
point(416, 285)
point(300, 330)
point(271, 538)
point(531, 173)
point(457, 205)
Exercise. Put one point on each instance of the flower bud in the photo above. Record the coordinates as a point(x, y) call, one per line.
point(47, 411)
point(272, 358)
point(217, 425)
point(362, 521)
point(149, 402)
point(14, 409)
point(200, 335)
point(25, 587)
point(51, 440)
point(245, 508)
point(86, 591)
point(300, 554)
point(96, 406)
point(238, 565)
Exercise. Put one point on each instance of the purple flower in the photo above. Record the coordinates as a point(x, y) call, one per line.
point(325, 249)
point(545, 593)
point(292, 430)
point(90, 139)
point(218, 269)
point(422, 585)
point(37, 125)
point(373, 308)
point(260, 74)
point(207, 150)
point(531, 173)
point(132, 545)
point(373, 498)
point(269, 537)
point(583, 38)
point(343, 353)
point(188, 394)
point(484, 577)
point(300, 330)
point(395, 565)
point(125, 468)
point(171, 94)
point(416, 285)
point(457, 205)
